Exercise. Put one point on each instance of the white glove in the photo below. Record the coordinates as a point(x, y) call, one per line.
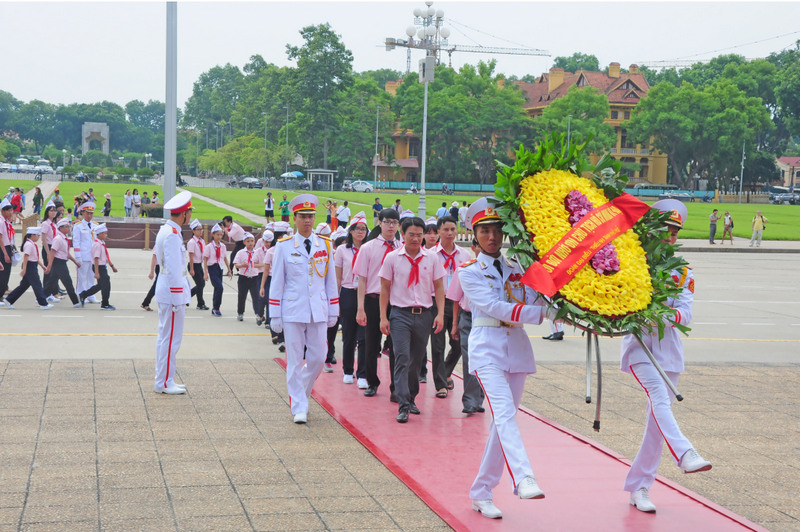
point(551, 312)
point(276, 324)
point(177, 308)
point(332, 321)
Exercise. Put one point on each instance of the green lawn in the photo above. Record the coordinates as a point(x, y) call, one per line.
point(69, 189)
point(783, 224)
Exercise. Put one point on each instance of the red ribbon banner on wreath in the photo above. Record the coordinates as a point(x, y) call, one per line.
point(600, 226)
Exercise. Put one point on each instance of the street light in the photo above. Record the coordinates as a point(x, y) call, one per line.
point(375, 160)
point(741, 176)
point(216, 136)
point(287, 137)
point(245, 127)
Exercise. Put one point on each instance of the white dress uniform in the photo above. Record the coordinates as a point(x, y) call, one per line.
point(660, 426)
point(304, 296)
point(173, 293)
point(82, 240)
point(500, 357)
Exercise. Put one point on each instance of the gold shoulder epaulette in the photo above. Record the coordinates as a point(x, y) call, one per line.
point(324, 236)
point(471, 261)
point(284, 238)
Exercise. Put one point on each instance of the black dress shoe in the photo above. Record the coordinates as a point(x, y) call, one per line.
point(333, 360)
point(402, 416)
point(468, 410)
point(393, 398)
point(202, 307)
point(412, 408)
point(554, 336)
point(480, 409)
point(369, 392)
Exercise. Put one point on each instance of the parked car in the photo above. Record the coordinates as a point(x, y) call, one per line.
point(682, 196)
point(250, 182)
point(5, 167)
point(362, 186)
point(793, 198)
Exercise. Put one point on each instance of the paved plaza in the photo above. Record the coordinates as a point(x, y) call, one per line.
point(87, 445)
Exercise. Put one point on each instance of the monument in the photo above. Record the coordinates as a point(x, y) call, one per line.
point(93, 133)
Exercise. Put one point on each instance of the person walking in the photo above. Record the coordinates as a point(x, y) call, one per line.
point(235, 234)
point(248, 276)
point(342, 215)
point(712, 226)
point(409, 276)
point(284, 205)
point(758, 225)
point(196, 250)
point(660, 425)
point(83, 236)
point(501, 356)
point(260, 262)
point(376, 210)
point(136, 203)
point(49, 233)
point(7, 236)
point(303, 302)
point(100, 264)
point(107, 205)
point(59, 254)
point(347, 281)
point(31, 259)
point(38, 199)
point(128, 203)
point(728, 228)
point(172, 292)
point(214, 257)
point(269, 208)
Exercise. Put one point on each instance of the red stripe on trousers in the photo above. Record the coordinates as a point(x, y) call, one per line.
point(495, 429)
point(169, 349)
point(652, 413)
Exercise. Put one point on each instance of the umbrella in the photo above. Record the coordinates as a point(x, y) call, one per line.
point(288, 174)
point(297, 173)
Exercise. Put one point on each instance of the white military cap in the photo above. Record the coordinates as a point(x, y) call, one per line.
point(323, 229)
point(179, 203)
point(5, 204)
point(408, 213)
point(34, 231)
point(304, 203)
point(481, 212)
point(101, 229)
point(88, 206)
point(678, 209)
point(359, 218)
point(216, 228)
point(282, 227)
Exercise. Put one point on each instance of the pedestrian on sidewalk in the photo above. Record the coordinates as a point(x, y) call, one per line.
point(758, 225)
point(31, 259)
point(38, 199)
point(728, 228)
point(712, 226)
point(83, 236)
point(247, 282)
point(660, 425)
point(235, 234)
point(269, 208)
point(59, 254)
point(260, 262)
point(7, 248)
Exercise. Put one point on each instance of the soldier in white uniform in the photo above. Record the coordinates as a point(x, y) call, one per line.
point(303, 301)
point(661, 426)
point(500, 355)
point(173, 292)
point(82, 240)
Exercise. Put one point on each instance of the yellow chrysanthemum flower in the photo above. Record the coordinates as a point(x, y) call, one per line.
point(546, 218)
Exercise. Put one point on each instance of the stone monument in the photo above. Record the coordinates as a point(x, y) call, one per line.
point(94, 132)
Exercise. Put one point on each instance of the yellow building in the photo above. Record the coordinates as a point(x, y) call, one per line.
point(623, 91)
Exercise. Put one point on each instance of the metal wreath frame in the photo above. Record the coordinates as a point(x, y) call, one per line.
point(591, 333)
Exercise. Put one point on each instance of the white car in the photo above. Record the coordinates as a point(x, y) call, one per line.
point(362, 186)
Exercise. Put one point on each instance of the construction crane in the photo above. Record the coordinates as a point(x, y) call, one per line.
point(431, 36)
point(675, 63)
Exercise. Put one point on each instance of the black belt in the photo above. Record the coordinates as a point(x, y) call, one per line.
point(374, 296)
point(413, 310)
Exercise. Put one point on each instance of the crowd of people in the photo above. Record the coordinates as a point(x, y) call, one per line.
point(393, 291)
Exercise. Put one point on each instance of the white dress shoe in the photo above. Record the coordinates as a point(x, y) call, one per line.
point(347, 379)
point(640, 499)
point(302, 417)
point(487, 509)
point(692, 462)
point(170, 390)
point(529, 489)
point(180, 385)
point(362, 384)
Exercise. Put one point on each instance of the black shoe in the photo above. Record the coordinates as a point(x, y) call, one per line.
point(62, 292)
point(413, 409)
point(554, 336)
point(402, 416)
point(480, 409)
point(282, 348)
point(333, 360)
point(468, 410)
point(372, 390)
point(274, 340)
point(202, 307)
point(393, 398)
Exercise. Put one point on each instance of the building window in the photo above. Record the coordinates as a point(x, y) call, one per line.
point(644, 166)
point(614, 115)
point(413, 149)
point(411, 177)
point(624, 143)
point(627, 115)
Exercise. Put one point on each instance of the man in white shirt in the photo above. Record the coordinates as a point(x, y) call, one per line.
point(343, 214)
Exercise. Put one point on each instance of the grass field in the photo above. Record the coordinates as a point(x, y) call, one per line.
point(202, 209)
point(784, 220)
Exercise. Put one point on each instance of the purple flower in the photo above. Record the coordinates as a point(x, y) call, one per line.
point(605, 261)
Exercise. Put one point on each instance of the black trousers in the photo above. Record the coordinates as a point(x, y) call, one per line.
point(60, 272)
point(5, 273)
point(262, 301)
point(152, 292)
point(332, 341)
point(199, 284)
point(215, 276)
point(103, 286)
point(29, 280)
point(239, 245)
point(372, 338)
point(352, 333)
point(247, 285)
point(46, 284)
point(438, 341)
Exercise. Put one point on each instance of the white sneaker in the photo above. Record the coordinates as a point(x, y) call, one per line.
point(51, 299)
point(77, 305)
point(362, 384)
point(347, 379)
point(328, 368)
point(692, 462)
point(46, 307)
point(9, 306)
point(529, 489)
point(487, 508)
point(302, 417)
point(640, 499)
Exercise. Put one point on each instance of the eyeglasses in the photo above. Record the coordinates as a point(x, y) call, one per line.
point(390, 222)
point(364, 229)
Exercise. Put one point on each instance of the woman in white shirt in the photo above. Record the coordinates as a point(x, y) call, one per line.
point(136, 201)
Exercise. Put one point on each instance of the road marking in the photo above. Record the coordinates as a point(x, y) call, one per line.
point(758, 324)
point(709, 323)
point(126, 317)
point(129, 334)
point(779, 340)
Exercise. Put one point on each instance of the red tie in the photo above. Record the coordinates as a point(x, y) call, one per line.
point(37, 252)
point(353, 266)
point(10, 232)
point(249, 261)
point(108, 259)
point(200, 243)
point(413, 277)
point(217, 248)
point(450, 261)
point(54, 229)
point(389, 248)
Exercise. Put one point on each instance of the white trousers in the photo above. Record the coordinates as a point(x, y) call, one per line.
point(659, 428)
point(556, 327)
point(504, 447)
point(170, 334)
point(311, 338)
point(756, 237)
point(85, 277)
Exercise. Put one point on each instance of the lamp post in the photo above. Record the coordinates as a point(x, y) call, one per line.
point(216, 136)
point(245, 127)
point(64, 157)
point(230, 131)
point(287, 137)
point(375, 160)
point(741, 175)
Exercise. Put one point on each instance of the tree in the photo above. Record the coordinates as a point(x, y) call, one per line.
point(215, 96)
point(148, 115)
point(8, 107)
point(577, 61)
point(383, 76)
point(589, 110)
point(324, 71)
point(33, 120)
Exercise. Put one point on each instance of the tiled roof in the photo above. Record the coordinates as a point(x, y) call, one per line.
point(790, 161)
point(626, 89)
point(403, 163)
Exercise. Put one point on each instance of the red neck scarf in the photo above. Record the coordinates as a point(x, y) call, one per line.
point(389, 248)
point(450, 260)
point(249, 261)
point(413, 277)
point(353, 264)
point(217, 249)
point(200, 243)
point(10, 232)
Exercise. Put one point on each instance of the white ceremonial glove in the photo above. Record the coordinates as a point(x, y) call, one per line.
point(176, 308)
point(276, 324)
point(332, 321)
point(551, 313)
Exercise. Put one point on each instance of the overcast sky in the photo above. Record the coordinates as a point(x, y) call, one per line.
point(64, 52)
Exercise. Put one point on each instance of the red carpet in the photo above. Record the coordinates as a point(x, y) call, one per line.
point(437, 455)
